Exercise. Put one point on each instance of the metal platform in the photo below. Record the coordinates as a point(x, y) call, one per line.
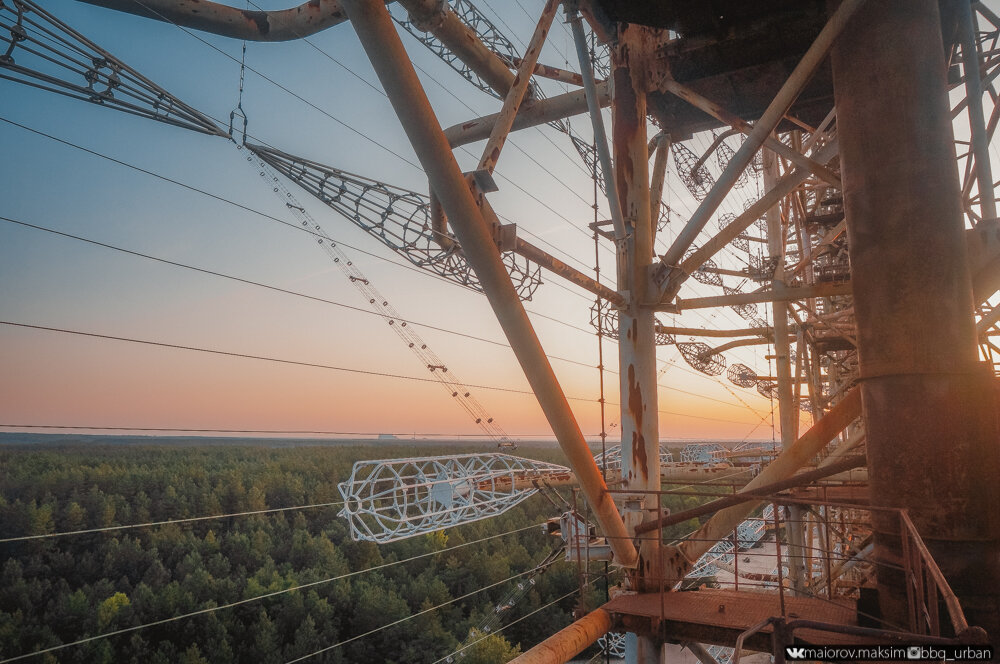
point(719, 616)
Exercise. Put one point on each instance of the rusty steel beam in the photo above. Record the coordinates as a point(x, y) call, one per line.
point(930, 407)
point(546, 71)
point(977, 123)
point(701, 332)
point(266, 26)
point(640, 430)
point(661, 146)
point(597, 123)
point(567, 272)
point(767, 123)
point(512, 101)
point(569, 641)
point(438, 18)
point(671, 280)
point(679, 560)
point(787, 408)
point(785, 294)
point(535, 113)
point(374, 27)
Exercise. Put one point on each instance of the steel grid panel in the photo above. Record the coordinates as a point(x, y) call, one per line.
point(741, 375)
point(397, 217)
point(39, 50)
point(392, 499)
point(697, 181)
point(702, 452)
point(612, 458)
point(700, 356)
point(723, 155)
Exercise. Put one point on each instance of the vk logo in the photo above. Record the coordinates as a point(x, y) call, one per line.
point(795, 653)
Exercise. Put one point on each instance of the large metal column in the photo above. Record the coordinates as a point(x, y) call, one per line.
point(637, 340)
point(374, 26)
point(930, 410)
point(783, 371)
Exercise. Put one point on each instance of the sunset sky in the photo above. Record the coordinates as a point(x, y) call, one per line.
point(51, 378)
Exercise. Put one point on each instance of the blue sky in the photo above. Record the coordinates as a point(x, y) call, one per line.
point(48, 378)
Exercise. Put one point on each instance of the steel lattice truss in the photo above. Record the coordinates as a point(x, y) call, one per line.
point(487, 32)
point(611, 459)
point(702, 452)
point(43, 52)
point(390, 500)
point(613, 643)
point(748, 533)
point(397, 217)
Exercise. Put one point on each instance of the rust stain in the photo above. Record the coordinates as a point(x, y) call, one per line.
point(635, 409)
point(260, 19)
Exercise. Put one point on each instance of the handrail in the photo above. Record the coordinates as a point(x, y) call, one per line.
point(955, 612)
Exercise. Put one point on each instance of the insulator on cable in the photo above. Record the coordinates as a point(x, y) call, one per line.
point(698, 181)
point(742, 375)
point(700, 356)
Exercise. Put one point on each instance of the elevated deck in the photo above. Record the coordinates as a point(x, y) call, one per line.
point(719, 616)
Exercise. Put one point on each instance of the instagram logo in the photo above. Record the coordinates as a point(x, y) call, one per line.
point(913, 652)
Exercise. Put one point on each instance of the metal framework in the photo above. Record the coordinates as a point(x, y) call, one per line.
point(397, 217)
point(41, 51)
point(390, 500)
point(878, 268)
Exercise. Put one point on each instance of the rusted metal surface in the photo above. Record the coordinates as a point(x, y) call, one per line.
point(533, 114)
point(597, 124)
point(931, 417)
point(513, 99)
point(719, 616)
point(567, 272)
point(767, 123)
point(774, 295)
point(661, 150)
point(567, 642)
point(269, 26)
point(637, 336)
point(437, 18)
point(547, 71)
point(374, 26)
